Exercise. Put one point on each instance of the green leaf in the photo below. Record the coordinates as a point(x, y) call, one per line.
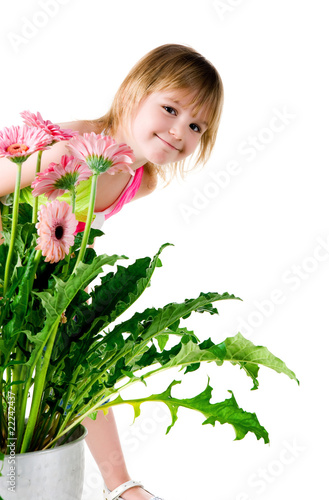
point(65, 291)
point(18, 310)
point(136, 352)
point(120, 290)
point(94, 233)
point(237, 350)
point(23, 238)
point(168, 315)
point(191, 353)
point(225, 412)
point(25, 214)
point(162, 340)
point(243, 352)
point(152, 322)
point(56, 302)
point(115, 295)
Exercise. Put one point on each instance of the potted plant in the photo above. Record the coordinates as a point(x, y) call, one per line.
point(64, 354)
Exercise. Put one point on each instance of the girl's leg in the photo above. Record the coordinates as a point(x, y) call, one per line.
point(104, 444)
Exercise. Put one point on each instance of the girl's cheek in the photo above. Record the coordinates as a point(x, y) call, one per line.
point(195, 144)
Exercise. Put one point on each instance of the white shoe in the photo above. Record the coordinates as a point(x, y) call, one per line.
point(115, 494)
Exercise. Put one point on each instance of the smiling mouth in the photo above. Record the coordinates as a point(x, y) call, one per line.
point(170, 145)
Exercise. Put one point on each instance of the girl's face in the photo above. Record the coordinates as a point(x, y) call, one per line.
point(163, 129)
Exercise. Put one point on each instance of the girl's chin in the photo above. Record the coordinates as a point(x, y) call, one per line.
point(158, 160)
point(161, 157)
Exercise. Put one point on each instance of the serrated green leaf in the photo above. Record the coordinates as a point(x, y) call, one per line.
point(191, 353)
point(243, 352)
point(116, 294)
point(16, 316)
point(168, 315)
point(56, 303)
point(65, 291)
point(152, 322)
point(120, 290)
point(225, 412)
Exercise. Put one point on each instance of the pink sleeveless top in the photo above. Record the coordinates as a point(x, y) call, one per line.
point(127, 195)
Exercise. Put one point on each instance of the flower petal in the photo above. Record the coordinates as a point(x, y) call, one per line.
point(60, 177)
point(31, 139)
point(57, 133)
point(101, 152)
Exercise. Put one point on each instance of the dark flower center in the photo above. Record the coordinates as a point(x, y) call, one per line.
point(59, 231)
point(17, 148)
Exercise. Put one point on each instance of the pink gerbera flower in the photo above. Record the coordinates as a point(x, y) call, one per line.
point(18, 143)
point(60, 177)
point(57, 133)
point(56, 228)
point(102, 153)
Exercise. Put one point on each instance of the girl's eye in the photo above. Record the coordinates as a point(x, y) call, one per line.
point(195, 127)
point(170, 109)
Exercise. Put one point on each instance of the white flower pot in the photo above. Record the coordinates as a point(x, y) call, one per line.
point(46, 475)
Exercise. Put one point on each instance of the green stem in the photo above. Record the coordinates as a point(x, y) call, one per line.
point(83, 413)
point(85, 388)
point(88, 222)
point(70, 388)
point(17, 374)
point(73, 198)
point(27, 370)
point(68, 256)
point(97, 406)
point(48, 428)
point(36, 199)
point(116, 391)
point(36, 261)
point(22, 410)
point(63, 430)
point(40, 378)
point(102, 368)
point(3, 419)
point(13, 227)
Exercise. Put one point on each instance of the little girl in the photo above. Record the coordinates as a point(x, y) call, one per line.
point(167, 108)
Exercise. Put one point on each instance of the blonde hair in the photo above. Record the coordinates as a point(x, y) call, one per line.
point(173, 67)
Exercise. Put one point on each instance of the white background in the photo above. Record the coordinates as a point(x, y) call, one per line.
point(261, 234)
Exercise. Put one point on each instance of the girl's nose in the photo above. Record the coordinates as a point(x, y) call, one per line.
point(176, 131)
